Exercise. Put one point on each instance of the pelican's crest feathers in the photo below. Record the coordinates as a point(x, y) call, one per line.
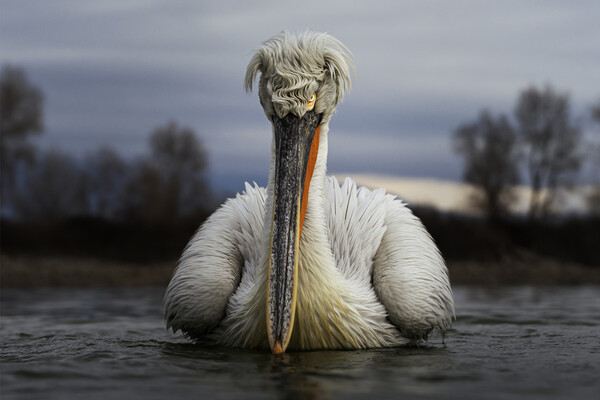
point(295, 66)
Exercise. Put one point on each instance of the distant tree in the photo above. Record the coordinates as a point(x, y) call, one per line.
point(596, 112)
point(551, 143)
point(55, 188)
point(107, 173)
point(171, 182)
point(489, 148)
point(593, 199)
point(143, 197)
point(20, 116)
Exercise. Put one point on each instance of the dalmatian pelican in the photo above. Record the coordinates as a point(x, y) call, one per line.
point(307, 263)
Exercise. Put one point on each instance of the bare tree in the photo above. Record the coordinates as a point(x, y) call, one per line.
point(143, 197)
point(489, 147)
point(20, 116)
point(596, 112)
point(182, 160)
point(54, 188)
point(171, 182)
point(107, 175)
point(551, 142)
point(593, 199)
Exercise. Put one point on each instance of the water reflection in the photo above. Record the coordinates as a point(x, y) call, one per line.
point(319, 374)
point(316, 374)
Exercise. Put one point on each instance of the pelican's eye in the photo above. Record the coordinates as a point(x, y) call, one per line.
point(311, 102)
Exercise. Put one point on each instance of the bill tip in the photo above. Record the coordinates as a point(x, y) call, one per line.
point(277, 349)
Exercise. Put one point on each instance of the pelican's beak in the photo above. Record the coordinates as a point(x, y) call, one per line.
point(296, 146)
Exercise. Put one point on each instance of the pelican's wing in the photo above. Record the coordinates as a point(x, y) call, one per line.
point(211, 266)
point(410, 276)
point(379, 244)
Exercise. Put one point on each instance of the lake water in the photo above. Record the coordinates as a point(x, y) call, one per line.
point(531, 343)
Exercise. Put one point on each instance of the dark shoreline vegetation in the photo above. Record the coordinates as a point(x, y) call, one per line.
point(95, 252)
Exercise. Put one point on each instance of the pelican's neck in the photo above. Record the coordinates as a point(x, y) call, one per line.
point(316, 218)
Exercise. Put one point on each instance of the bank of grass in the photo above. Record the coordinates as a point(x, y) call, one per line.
point(533, 272)
point(35, 272)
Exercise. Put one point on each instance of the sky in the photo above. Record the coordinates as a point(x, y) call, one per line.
point(112, 71)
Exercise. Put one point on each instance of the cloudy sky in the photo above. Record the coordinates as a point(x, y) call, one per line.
point(113, 70)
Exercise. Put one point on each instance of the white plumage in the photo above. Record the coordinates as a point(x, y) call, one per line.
point(368, 273)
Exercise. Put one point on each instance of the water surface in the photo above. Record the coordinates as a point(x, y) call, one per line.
point(531, 343)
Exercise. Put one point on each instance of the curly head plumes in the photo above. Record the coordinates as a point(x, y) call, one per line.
point(293, 67)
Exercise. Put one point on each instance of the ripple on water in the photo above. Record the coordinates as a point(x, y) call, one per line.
point(506, 343)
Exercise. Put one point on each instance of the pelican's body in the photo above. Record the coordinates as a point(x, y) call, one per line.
point(315, 265)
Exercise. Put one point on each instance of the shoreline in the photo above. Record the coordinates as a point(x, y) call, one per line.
point(38, 272)
point(63, 272)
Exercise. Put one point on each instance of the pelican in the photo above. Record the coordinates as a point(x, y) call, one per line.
point(308, 263)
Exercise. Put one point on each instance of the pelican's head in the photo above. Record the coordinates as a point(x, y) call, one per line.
point(302, 79)
point(299, 72)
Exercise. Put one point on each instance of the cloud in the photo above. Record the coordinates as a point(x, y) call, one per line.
point(111, 71)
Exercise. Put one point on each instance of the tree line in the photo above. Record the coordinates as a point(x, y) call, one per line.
point(167, 183)
point(541, 143)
